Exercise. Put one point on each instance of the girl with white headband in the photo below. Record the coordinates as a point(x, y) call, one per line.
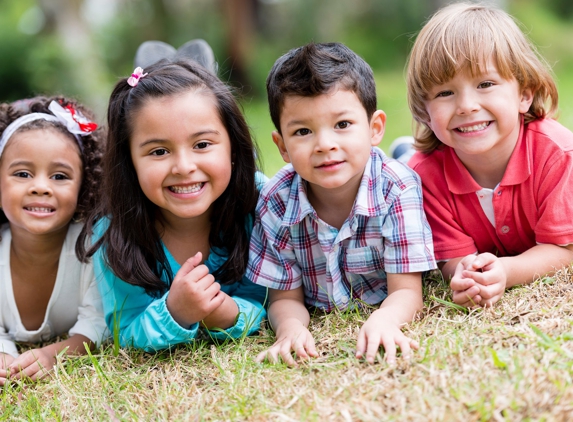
point(50, 157)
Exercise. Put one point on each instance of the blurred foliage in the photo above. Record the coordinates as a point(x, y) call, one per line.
point(41, 57)
point(80, 48)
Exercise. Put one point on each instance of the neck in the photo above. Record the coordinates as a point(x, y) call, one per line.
point(486, 171)
point(184, 237)
point(37, 250)
point(184, 227)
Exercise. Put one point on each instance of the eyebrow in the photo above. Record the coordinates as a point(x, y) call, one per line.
point(304, 121)
point(31, 164)
point(192, 136)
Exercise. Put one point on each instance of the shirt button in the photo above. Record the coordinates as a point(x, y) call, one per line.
point(504, 229)
point(345, 300)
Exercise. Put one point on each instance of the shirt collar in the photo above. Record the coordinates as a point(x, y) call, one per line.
point(298, 205)
point(369, 201)
point(461, 182)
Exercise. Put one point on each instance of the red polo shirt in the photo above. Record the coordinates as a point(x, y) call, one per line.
point(532, 204)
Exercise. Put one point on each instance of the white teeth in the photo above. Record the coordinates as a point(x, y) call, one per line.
point(186, 189)
point(473, 128)
point(39, 209)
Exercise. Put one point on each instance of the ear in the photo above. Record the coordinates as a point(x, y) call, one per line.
point(280, 143)
point(377, 127)
point(526, 100)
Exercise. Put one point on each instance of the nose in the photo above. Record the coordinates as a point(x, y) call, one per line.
point(325, 142)
point(467, 103)
point(184, 163)
point(41, 187)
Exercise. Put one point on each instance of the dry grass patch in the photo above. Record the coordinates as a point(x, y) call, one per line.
point(511, 362)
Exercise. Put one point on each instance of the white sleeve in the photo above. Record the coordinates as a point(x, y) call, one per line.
point(7, 345)
point(90, 322)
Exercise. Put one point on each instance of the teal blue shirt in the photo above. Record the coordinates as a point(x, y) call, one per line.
point(146, 323)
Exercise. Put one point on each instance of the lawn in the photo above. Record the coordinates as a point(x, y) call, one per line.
point(510, 362)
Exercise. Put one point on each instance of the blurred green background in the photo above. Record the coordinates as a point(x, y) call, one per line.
point(80, 48)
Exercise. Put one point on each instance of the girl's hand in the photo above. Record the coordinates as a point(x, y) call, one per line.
point(33, 364)
point(194, 294)
point(380, 330)
point(5, 361)
point(293, 336)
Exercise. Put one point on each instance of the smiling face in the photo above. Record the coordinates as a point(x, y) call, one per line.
point(478, 115)
point(181, 152)
point(40, 180)
point(327, 138)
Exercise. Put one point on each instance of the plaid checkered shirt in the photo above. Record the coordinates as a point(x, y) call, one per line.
point(386, 231)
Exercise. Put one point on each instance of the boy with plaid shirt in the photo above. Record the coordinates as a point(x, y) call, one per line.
point(342, 222)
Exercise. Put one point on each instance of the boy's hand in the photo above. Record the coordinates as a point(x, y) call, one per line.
point(466, 292)
point(292, 336)
point(33, 364)
point(380, 329)
point(194, 294)
point(488, 272)
point(5, 361)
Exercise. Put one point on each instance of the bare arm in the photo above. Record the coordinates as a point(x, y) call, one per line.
point(36, 363)
point(384, 325)
point(289, 318)
point(482, 279)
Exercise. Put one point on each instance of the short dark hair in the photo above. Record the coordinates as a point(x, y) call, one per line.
point(131, 244)
point(315, 69)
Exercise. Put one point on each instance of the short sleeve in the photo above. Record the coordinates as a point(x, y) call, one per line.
point(555, 202)
point(272, 261)
point(450, 240)
point(407, 236)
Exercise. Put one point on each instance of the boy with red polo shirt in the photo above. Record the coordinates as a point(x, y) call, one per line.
point(496, 171)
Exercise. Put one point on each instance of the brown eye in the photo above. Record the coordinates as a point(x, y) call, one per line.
point(159, 152)
point(302, 132)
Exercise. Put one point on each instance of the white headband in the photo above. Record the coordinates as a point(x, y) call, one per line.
point(72, 119)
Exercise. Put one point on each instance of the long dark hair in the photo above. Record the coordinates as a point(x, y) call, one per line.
point(90, 152)
point(132, 247)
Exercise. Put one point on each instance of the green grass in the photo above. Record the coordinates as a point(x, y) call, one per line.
point(511, 362)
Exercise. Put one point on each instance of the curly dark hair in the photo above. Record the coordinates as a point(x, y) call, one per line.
point(132, 244)
point(91, 151)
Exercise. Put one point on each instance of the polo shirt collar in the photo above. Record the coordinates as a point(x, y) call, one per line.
point(461, 182)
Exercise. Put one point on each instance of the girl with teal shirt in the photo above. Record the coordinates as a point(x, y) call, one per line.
point(179, 189)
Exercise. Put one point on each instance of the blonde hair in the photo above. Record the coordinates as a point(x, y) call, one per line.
point(462, 37)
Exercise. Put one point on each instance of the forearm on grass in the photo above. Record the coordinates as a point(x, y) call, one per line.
point(540, 260)
point(74, 345)
point(404, 298)
point(287, 307)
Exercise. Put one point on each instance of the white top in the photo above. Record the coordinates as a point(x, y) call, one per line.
point(485, 197)
point(74, 307)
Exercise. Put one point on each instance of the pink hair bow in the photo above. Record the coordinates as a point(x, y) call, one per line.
point(136, 76)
